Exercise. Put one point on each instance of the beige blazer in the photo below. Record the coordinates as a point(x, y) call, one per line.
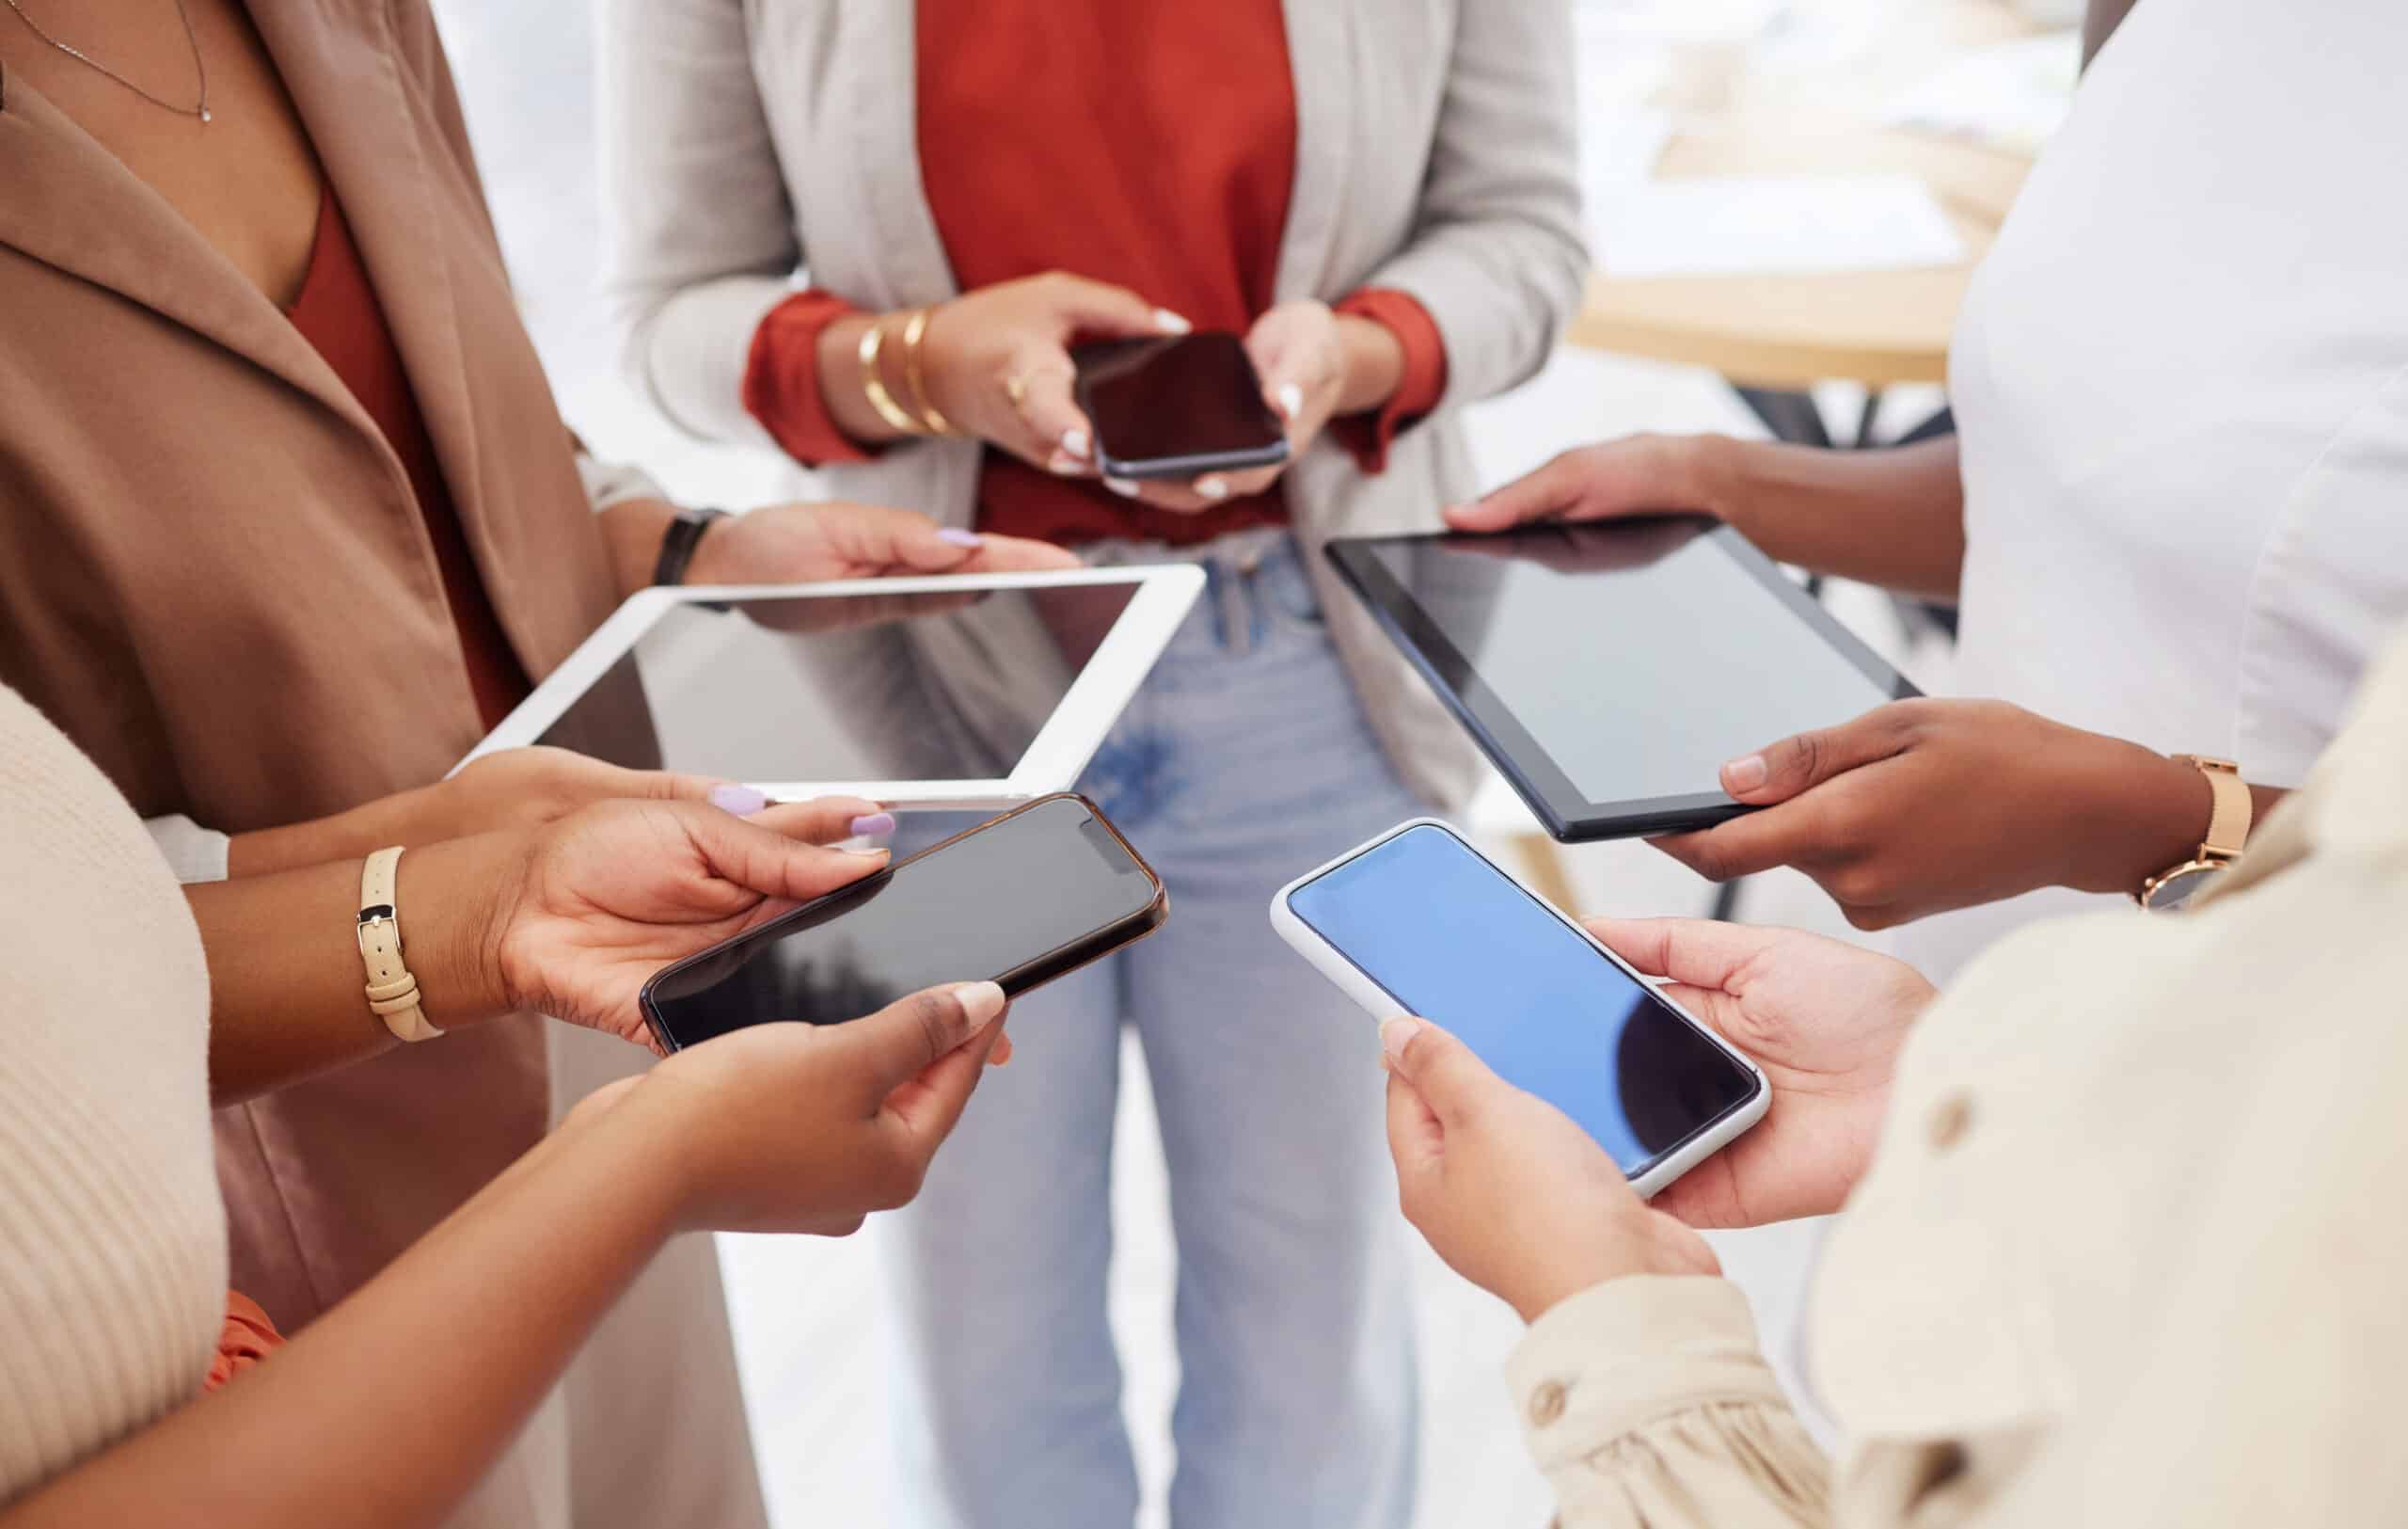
point(750, 140)
point(214, 580)
point(2129, 1252)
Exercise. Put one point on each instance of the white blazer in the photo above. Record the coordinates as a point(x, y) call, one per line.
point(749, 142)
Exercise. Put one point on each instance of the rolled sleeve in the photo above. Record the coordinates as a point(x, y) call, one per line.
point(1646, 1401)
point(782, 380)
point(1417, 391)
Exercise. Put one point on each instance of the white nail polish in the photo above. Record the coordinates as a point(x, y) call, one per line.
point(1170, 323)
point(1291, 399)
point(1212, 488)
point(1064, 464)
point(1121, 486)
point(1074, 442)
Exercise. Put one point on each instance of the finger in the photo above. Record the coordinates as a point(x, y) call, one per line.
point(887, 1049)
point(1552, 492)
point(1456, 1085)
point(1700, 952)
point(757, 854)
point(1801, 761)
point(1787, 834)
point(1001, 1055)
point(1162, 494)
point(1217, 488)
point(1058, 435)
point(1415, 1138)
point(884, 539)
point(827, 819)
point(1098, 308)
point(925, 1106)
point(1018, 554)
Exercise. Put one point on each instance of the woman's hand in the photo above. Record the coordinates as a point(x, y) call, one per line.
point(998, 362)
point(1513, 1195)
point(1918, 806)
point(1824, 1020)
point(797, 1127)
point(582, 914)
point(781, 544)
point(1643, 474)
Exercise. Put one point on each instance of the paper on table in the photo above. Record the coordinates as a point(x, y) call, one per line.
point(1752, 225)
point(2010, 95)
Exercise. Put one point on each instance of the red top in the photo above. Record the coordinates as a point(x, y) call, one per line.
point(339, 314)
point(1152, 146)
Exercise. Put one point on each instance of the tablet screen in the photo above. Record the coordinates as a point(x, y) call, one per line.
point(1613, 665)
point(852, 686)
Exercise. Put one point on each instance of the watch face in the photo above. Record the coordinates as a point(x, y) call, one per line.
point(2179, 886)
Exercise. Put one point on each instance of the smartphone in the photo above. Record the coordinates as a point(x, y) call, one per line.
point(1177, 406)
point(1018, 900)
point(1419, 922)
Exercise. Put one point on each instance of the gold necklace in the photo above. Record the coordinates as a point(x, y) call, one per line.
point(201, 110)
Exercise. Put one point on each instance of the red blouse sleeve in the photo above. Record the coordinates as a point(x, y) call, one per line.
point(1417, 391)
point(782, 380)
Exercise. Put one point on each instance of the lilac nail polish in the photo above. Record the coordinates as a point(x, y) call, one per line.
point(743, 801)
point(958, 537)
point(872, 824)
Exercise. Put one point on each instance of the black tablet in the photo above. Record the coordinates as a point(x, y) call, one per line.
point(1608, 671)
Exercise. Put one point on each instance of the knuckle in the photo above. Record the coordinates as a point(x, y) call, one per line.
point(935, 1013)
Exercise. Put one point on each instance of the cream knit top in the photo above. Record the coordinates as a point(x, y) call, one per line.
point(112, 1237)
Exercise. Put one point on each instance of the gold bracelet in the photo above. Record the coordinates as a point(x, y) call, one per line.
point(879, 399)
point(913, 328)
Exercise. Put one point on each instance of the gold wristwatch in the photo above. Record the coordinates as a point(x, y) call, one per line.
point(2227, 832)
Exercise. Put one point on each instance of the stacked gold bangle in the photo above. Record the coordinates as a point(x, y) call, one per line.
point(927, 421)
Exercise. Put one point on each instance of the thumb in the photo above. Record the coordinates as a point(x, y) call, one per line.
point(1453, 1083)
point(883, 1051)
point(1552, 492)
point(1100, 307)
point(1804, 760)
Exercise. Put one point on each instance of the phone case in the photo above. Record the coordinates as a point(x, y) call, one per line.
point(1033, 972)
point(1327, 960)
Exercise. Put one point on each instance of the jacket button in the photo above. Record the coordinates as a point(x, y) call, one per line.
point(1546, 1404)
point(1950, 1118)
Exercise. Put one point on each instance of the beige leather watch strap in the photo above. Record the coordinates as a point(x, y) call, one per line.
point(2228, 824)
point(393, 991)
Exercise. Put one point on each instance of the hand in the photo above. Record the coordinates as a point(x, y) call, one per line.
point(1924, 806)
point(1643, 474)
point(798, 544)
point(998, 362)
point(580, 915)
point(1824, 1020)
point(1513, 1196)
point(808, 1128)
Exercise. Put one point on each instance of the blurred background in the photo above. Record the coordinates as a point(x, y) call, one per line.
point(1784, 200)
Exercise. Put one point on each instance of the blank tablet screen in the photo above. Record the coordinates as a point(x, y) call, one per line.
point(947, 686)
point(1611, 671)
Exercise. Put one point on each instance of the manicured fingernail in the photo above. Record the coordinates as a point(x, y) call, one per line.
point(743, 801)
point(1062, 462)
point(1212, 488)
point(959, 537)
point(980, 1001)
point(1394, 1033)
point(1744, 774)
point(1074, 442)
point(867, 852)
point(1121, 486)
point(1170, 323)
point(871, 824)
point(1291, 398)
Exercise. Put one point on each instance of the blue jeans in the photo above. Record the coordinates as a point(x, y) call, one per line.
point(1244, 760)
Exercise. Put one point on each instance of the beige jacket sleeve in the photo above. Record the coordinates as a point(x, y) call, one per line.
point(1647, 1402)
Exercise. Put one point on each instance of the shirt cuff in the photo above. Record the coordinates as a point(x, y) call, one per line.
point(194, 854)
point(1418, 391)
point(614, 482)
point(1621, 1355)
point(782, 380)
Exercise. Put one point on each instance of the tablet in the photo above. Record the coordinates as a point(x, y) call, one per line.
point(1608, 671)
point(977, 690)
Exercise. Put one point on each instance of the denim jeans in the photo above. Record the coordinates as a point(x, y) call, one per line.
point(1244, 760)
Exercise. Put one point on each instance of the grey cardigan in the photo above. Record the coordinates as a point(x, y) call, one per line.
point(751, 141)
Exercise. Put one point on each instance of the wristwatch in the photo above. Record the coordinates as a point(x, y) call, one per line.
point(679, 542)
point(2227, 832)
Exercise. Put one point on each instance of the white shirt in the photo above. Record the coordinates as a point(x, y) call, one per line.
point(2181, 386)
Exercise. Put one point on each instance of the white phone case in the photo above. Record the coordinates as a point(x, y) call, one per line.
point(1332, 963)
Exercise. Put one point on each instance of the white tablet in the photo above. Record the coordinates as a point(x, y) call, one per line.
point(974, 691)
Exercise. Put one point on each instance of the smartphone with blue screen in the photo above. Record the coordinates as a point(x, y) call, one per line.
point(1418, 921)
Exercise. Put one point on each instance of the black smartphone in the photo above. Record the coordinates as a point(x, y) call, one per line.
point(1177, 406)
point(1019, 900)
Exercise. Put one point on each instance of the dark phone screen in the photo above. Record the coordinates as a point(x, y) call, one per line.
point(1185, 395)
point(995, 900)
point(1454, 941)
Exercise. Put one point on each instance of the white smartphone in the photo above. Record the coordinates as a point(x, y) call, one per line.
point(1418, 921)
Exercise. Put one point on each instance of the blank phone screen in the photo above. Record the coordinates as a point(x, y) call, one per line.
point(1187, 395)
point(978, 908)
point(1455, 941)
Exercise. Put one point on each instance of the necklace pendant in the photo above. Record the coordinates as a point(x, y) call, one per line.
point(204, 113)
